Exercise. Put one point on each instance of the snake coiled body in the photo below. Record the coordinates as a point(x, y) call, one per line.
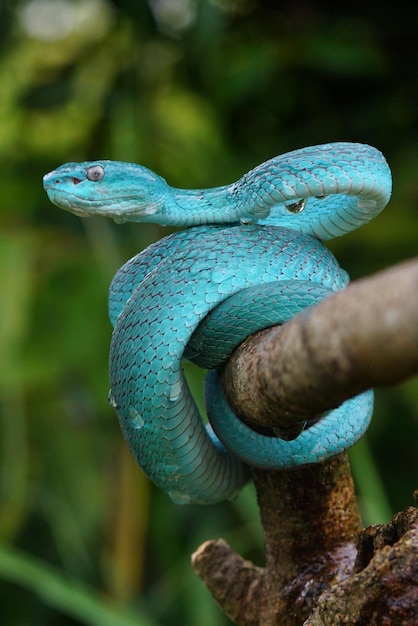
point(251, 257)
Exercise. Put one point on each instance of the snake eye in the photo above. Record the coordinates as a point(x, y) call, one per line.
point(95, 173)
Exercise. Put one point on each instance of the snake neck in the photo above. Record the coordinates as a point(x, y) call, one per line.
point(216, 205)
point(192, 207)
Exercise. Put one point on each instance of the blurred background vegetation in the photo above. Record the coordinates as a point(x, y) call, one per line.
point(199, 91)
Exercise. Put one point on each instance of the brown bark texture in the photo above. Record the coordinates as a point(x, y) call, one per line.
point(320, 568)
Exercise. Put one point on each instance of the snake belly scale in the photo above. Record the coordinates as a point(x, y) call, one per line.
point(252, 257)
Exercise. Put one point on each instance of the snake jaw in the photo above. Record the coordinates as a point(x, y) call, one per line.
point(87, 189)
point(121, 210)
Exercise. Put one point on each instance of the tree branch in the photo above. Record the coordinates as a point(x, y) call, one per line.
point(362, 337)
point(310, 523)
point(356, 339)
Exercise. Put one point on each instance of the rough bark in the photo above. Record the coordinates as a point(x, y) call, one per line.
point(385, 592)
point(315, 574)
point(236, 584)
point(310, 523)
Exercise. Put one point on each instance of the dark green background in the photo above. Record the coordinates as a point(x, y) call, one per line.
point(200, 92)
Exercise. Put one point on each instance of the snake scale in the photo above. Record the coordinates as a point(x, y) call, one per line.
point(251, 256)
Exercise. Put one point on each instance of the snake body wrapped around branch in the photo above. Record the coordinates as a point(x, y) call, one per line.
point(251, 258)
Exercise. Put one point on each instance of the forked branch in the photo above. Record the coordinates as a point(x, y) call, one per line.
point(314, 574)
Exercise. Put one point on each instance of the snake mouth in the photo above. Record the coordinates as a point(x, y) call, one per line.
point(119, 208)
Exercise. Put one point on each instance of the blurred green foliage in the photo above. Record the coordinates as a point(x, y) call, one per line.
point(200, 91)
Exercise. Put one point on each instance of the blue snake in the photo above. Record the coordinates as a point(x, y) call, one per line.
point(251, 256)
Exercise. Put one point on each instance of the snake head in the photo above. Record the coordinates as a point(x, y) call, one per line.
point(121, 191)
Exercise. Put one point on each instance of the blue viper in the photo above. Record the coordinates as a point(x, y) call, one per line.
point(252, 257)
